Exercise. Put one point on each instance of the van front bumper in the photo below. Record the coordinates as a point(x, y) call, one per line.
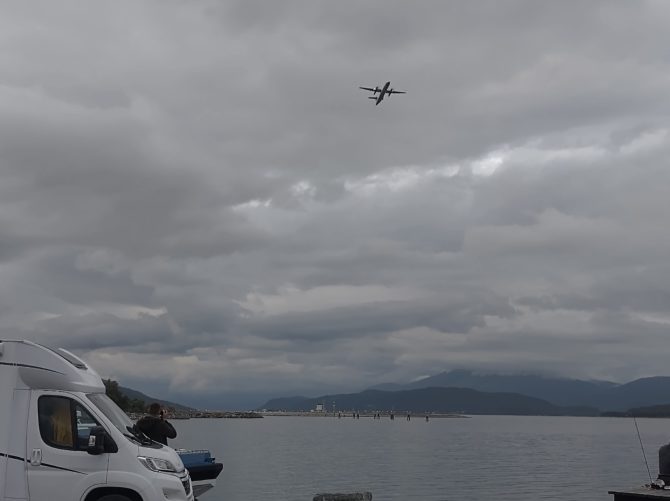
point(154, 486)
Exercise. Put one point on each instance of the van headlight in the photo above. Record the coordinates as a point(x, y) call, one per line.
point(157, 464)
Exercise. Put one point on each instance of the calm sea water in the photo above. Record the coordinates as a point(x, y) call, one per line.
point(480, 458)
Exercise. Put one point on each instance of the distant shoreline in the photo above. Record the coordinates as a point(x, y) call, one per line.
point(348, 415)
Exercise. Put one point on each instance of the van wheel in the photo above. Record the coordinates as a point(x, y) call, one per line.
point(113, 497)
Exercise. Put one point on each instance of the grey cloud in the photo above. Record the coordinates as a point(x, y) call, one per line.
point(150, 161)
point(623, 290)
point(58, 275)
point(375, 318)
point(495, 48)
point(94, 331)
point(110, 192)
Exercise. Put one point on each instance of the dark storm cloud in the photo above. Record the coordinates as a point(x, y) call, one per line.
point(197, 193)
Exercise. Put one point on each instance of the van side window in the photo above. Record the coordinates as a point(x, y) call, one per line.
point(84, 424)
point(64, 423)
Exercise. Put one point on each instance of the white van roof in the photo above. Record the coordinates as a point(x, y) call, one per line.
point(40, 367)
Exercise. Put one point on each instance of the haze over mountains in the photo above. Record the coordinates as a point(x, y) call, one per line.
point(134, 394)
point(495, 393)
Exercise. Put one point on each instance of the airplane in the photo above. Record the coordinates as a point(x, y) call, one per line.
point(382, 92)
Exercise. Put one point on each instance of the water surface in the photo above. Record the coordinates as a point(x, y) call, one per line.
point(480, 458)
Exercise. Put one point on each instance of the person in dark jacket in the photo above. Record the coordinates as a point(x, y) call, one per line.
point(155, 426)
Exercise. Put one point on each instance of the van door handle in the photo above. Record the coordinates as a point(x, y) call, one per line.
point(36, 457)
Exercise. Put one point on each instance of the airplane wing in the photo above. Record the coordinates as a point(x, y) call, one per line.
point(396, 91)
point(368, 88)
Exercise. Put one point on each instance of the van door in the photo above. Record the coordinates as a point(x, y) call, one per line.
point(58, 465)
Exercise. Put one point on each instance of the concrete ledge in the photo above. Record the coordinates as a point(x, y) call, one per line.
point(356, 496)
point(640, 494)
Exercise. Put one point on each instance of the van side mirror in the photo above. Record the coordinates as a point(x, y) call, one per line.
point(100, 442)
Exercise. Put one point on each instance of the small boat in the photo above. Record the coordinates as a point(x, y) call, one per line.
point(202, 468)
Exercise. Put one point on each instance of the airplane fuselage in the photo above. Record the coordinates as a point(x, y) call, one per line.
point(382, 93)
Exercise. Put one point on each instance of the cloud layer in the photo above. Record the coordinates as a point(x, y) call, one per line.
point(197, 198)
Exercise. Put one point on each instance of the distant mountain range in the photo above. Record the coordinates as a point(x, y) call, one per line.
point(603, 395)
point(442, 400)
point(496, 394)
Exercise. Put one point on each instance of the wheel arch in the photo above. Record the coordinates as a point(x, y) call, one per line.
point(100, 492)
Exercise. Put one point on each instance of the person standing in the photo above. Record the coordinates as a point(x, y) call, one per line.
point(155, 426)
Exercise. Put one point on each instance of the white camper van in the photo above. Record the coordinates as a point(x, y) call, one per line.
point(63, 439)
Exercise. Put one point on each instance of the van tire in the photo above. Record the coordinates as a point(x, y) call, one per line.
point(113, 497)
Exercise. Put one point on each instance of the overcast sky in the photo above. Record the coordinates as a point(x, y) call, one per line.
point(196, 197)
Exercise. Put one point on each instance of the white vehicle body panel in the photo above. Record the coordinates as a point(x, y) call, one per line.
point(34, 468)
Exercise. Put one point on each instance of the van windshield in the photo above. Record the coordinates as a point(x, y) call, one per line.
point(112, 411)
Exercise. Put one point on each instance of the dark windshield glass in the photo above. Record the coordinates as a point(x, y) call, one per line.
point(112, 411)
